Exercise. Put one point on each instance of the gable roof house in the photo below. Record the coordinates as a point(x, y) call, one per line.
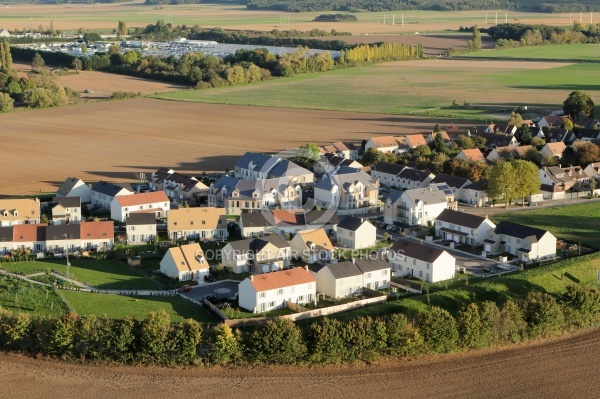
point(184, 263)
point(526, 243)
point(205, 223)
point(557, 134)
point(85, 235)
point(349, 192)
point(141, 228)
point(593, 170)
point(252, 166)
point(425, 262)
point(345, 279)
point(552, 120)
point(74, 187)
point(154, 202)
point(180, 188)
point(414, 140)
point(291, 171)
point(455, 184)
point(239, 195)
point(519, 152)
point(563, 177)
point(414, 207)
point(30, 237)
point(330, 163)
point(355, 233)
point(271, 291)
point(462, 227)
point(471, 155)
point(345, 149)
point(290, 221)
point(65, 210)
point(385, 144)
point(257, 255)
point(505, 128)
point(19, 211)
point(312, 246)
point(387, 173)
point(103, 193)
point(475, 193)
point(587, 134)
point(493, 140)
point(553, 149)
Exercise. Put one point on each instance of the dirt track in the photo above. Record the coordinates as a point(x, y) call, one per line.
point(115, 140)
point(562, 368)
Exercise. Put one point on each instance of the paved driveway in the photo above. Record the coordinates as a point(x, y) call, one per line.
point(202, 290)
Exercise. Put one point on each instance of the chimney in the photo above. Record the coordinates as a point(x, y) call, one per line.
point(560, 166)
point(252, 277)
point(306, 267)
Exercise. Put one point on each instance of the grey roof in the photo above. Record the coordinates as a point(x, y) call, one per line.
point(427, 195)
point(371, 265)
point(255, 245)
point(255, 219)
point(452, 181)
point(67, 202)
point(344, 180)
point(415, 175)
point(287, 168)
point(394, 196)
point(480, 185)
point(137, 219)
point(57, 232)
point(590, 134)
point(110, 189)
point(519, 230)
point(388, 168)
point(416, 250)
point(260, 162)
point(67, 186)
point(496, 140)
point(460, 218)
point(335, 160)
point(6, 234)
point(351, 223)
point(344, 269)
point(175, 178)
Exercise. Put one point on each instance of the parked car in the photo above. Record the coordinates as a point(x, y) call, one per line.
point(389, 228)
point(185, 288)
point(445, 242)
point(487, 270)
point(209, 278)
point(503, 266)
point(210, 298)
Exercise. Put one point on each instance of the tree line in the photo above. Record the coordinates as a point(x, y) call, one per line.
point(516, 35)
point(157, 340)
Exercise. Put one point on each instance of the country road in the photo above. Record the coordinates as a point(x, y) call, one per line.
point(566, 367)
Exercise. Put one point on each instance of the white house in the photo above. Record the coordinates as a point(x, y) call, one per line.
point(387, 173)
point(103, 193)
point(455, 184)
point(141, 228)
point(257, 255)
point(184, 263)
point(414, 207)
point(475, 193)
point(253, 166)
point(526, 243)
point(414, 259)
point(349, 189)
point(355, 233)
point(385, 144)
point(564, 177)
point(180, 188)
point(593, 170)
point(74, 187)
point(312, 246)
point(154, 202)
point(345, 279)
point(197, 223)
point(271, 291)
point(462, 227)
point(65, 210)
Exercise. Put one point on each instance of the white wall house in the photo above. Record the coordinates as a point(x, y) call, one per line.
point(184, 263)
point(347, 190)
point(141, 228)
point(74, 187)
point(355, 233)
point(345, 279)
point(271, 291)
point(65, 210)
point(414, 207)
point(154, 202)
point(462, 227)
point(427, 263)
point(526, 243)
point(103, 193)
point(257, 255)
point(311, 246)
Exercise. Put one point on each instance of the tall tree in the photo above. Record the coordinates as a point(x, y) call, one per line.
point(122, 29)
point(501, 182)
point(526, 179)
point(439, 144)
point(309, 152)
point(37, 62)
point(579, 103)
point(523, 135)
point(515, 119)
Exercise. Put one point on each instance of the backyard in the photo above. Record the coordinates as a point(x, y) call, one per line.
point(21, 296)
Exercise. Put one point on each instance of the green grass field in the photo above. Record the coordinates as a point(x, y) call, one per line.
point(119, 306)
point(21, 296)
point(105, 274)
point(575, 223)
point(569, 52)
point(425, 88)
point(553, 279)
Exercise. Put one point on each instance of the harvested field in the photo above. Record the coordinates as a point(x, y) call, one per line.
point(101, 85)
point(104, 18)
point(561, 368)
point(115, 140)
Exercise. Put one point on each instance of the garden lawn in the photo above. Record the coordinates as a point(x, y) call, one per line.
point(554, 279)
point(21, 296)
point(574, 223)
point(103, 274)
point(120, 306)
point(562, 52)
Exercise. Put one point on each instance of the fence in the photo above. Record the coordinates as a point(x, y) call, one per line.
point(408, 285)
point(258, 321)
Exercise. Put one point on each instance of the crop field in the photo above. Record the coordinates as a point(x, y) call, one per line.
point(120, 306)
point(104, 274)
point(101, 85)
point(104, 18)
point(574, 223)
point(567, 52)
point(423, 87)
point(115, 140)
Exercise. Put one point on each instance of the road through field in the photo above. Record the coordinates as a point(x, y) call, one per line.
point(116, 140)
point(567, 367)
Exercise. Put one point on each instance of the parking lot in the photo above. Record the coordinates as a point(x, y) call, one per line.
point(218, 289)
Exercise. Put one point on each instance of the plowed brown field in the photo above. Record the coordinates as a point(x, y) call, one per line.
point(115, 140)
point(567, 367)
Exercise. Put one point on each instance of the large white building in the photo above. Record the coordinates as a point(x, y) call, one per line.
point(526, 243)
point(414, 259)
point(271, 291)
point(415, 207)
point(154, 202)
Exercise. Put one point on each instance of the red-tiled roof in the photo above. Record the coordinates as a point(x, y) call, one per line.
point(97, 230)
point(29, 232)
point(280, 279)
point(142, 198)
